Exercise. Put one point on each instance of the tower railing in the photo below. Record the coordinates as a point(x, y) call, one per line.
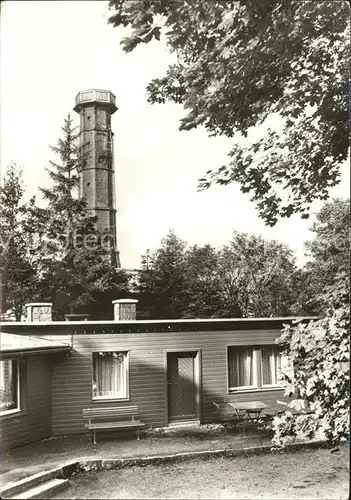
point(87, 96)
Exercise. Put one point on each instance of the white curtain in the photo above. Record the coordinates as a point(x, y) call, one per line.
point(271, 366)
point(110, 375)
point(241, 367)
point(247, 372)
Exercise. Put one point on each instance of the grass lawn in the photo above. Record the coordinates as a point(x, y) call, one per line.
point(304, 474)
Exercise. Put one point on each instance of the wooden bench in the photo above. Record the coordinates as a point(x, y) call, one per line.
point(116, 419)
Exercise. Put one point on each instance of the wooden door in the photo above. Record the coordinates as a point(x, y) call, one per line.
point(182, 387)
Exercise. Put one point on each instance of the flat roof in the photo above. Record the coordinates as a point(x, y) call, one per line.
point(159, 321)
point(69, 328)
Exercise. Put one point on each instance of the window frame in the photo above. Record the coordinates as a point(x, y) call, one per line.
point(18, 408)
point(257, 375)
point(111, 398)
point(254, 374)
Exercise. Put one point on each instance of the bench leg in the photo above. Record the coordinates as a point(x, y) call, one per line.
point(94, 437)
point(138, 435)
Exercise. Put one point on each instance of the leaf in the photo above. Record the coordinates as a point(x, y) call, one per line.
point(297, 404)
point(232, 79)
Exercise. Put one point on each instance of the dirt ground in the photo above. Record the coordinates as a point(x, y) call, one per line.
point(307, 474)
point(51, 453)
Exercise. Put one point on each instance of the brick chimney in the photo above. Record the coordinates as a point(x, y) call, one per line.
point(39, 311)
point(125, 309)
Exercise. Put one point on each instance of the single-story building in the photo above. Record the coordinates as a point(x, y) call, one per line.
point(26, 387)
point(172, 370)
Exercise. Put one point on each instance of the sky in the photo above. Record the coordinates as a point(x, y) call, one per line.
point(50, 50)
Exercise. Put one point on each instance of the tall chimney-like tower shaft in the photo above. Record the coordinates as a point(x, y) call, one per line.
point(97, 184)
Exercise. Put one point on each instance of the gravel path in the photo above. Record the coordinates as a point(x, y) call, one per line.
point(308, 474)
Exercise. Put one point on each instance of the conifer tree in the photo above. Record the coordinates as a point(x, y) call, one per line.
point(78, 276)
point(204, 285)
point(163, 283)
point(18, 274)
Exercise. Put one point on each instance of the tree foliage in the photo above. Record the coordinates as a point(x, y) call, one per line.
point(320, 350)
point(19, 278)
point(256, 277)
point(320, 354)
point(328, 256)
point(162, 279)
point(239, 62)
point(248, 277)
point(329, 251)
point(203, 283)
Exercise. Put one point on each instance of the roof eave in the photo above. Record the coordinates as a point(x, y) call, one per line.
point(28, 352)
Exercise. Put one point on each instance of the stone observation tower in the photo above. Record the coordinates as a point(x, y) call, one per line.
point(97, 184)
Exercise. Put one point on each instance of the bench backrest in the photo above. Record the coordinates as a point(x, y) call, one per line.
point(124, 411)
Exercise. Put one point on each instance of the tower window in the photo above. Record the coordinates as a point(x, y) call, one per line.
point(88, 184)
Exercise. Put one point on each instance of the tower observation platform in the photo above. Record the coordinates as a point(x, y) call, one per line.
point(96, 174)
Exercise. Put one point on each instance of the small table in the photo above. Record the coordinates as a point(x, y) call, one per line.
point(253, 409)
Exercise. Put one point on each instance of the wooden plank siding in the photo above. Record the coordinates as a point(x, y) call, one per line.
point(72, 376)
point(34, 420)
point(147, 343)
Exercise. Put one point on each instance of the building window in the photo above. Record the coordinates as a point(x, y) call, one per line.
point(241, 367)
point(9, 386)
point(110, 375)
point(254, 368)
point(270, 366)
